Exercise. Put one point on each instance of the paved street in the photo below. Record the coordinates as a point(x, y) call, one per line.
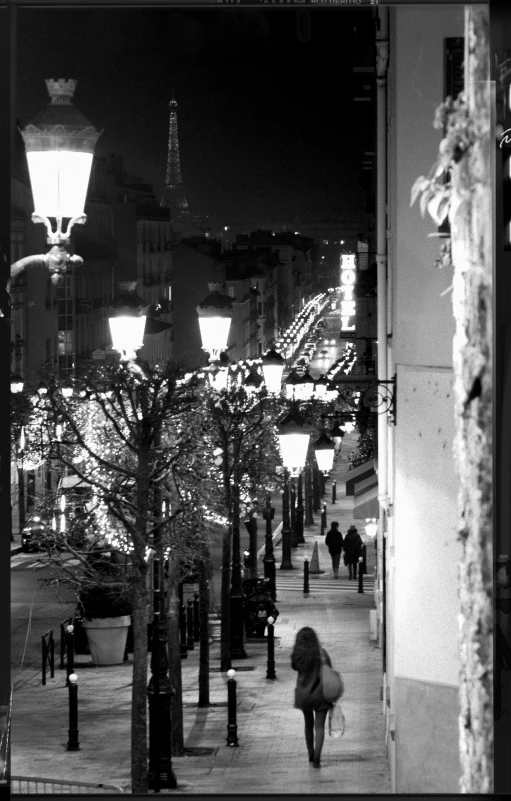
point(271, 756)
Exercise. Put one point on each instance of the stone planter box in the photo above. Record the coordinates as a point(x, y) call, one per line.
point(107, 639)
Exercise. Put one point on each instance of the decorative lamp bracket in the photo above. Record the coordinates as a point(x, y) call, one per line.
point(381, 398)
point(58, 237)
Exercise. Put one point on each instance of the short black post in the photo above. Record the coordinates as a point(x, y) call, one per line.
point(270, 672)
point(364, 555)
point(72, 743)
point(232, 728)
point(196, 628)
point(334, 491)
point(323, 520)
point(70, 651)
point(189, 626)
point(182, 631)
point(360, 575)
point(306, 577)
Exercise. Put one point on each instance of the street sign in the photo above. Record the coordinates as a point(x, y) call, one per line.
point(98, 354)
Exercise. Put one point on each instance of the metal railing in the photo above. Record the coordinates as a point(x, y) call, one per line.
point(31, 784)
point(48, 654)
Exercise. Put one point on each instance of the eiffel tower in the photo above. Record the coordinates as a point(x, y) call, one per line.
point(173, 195)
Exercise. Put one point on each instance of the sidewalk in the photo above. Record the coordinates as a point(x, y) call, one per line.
point(271, 757)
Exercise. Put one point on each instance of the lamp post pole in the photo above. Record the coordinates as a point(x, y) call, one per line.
point(299, 512)
point(309, 517)
point(236, 594)
point(21, 487)
point(286, 563)
point(269, 557)
point(292, 505)
point(159, 689)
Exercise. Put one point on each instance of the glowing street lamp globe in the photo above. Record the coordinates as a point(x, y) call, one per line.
point(304, 388)
point(215, 314)
point(59, 143)
point(320, 388)
point(324, 448)
point(252, 382)
point(292, 382)
point(371, 527)
point(16, 383)
point(273, 367)
point(337, 434)
point(127, 318)
point(294, 435)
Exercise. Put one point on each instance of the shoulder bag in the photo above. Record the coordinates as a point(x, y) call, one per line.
point(332, 683)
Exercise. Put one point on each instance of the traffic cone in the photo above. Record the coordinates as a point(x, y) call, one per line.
point(314, 565)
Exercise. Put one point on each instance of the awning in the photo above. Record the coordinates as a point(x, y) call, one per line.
point(366, 504)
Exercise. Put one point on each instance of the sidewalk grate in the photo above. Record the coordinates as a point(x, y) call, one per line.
point(238, 667)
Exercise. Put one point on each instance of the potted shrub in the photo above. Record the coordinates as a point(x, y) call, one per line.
point(106, 610)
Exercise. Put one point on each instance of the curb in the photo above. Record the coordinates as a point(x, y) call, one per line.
point(17, 549)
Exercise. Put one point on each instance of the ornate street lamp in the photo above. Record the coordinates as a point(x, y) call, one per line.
point(304, 389)
point(294, 435)
point(218, 377)
point(291, 383)
point(215, 314)
point(16, 384)
point(67, 389)
point(324, 448)
point(60, 145)
point(127, 318)
point(252, 382)
point(371, 526)
point(337, 433)
point(273, 367)
point(320, 388)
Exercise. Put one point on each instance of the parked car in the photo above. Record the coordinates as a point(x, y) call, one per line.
point(37, 533)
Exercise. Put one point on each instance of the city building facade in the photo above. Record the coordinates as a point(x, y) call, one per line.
point(417, 597)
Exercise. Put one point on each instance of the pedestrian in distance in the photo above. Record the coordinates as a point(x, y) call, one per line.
point(352, 550)
point(334, 542)
point(307, 659)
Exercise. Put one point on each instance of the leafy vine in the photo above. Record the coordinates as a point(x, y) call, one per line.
point(435, 190)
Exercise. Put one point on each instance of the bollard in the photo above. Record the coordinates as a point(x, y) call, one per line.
point(360, 575)
point(270, 672)
point(72, 743)
point(323, 520)
point(189, 626)
point(334, 491)
point(364, 556)
point(70, 650)
point(306, 577)
point(182, 632)
point(232, 729)
point(196, 631)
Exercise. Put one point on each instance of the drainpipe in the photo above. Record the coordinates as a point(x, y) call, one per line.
point(382, 57)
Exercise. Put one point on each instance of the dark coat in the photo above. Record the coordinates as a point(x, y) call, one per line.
point(334, 541)
point(308, 691)
point(352, 547)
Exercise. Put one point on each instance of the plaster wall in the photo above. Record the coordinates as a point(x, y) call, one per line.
point(422, 547)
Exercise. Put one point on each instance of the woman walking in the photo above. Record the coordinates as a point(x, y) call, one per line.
point(352, 550)
point(333, 542)
point(307, 658)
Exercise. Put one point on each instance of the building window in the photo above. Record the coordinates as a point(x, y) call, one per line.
point(230, 291)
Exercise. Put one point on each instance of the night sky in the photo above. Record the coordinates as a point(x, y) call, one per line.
point(266, 122)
